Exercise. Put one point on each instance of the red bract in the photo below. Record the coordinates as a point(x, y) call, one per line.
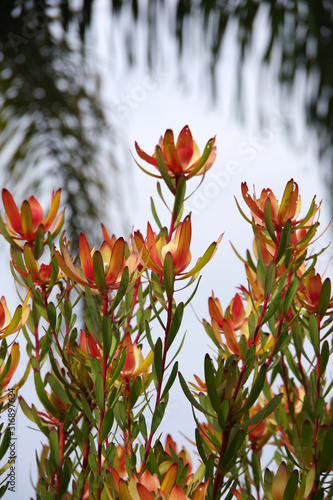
point(155, 248)
point(101, 270)
point(182, 159)
point(22, 225)
point(288, 209)
point(9, 324)
point(310, 292)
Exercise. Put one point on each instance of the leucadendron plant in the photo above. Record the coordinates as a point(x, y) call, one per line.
point(99, 325)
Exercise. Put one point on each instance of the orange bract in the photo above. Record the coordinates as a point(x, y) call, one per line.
point(135, 364)
point(182, 158)
point(9, 324)
point(103, 273)
point(288, 209)
point(155, 248)
point(23, 224)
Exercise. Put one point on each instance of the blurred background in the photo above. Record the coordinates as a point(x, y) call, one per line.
point(81, 80)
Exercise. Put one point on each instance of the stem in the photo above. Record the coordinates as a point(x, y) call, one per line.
point(99, 449)
point(159, 385)
point(61, 439)
point(128, 442)
point(218, 481)
point(316, 422)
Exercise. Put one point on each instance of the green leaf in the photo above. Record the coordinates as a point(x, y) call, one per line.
point(66, 475)
point(326, 456)
point(39, 241)
point(68, 312)
point(95, 314)
point(157, 416)
point(268, 480)
point(163, 170)
point(157, 289)
point(290, 294)
point(148, 335)
point(143, 427)
point(99, 391)
point(269, 280)
point(200, 446)
point(87, 410)
point(120, 364)
point(153, 211)
point(307, 442)
point(43, 396)
point(281, 342)
point(268, 219)
point(5, 442)
point(291, 487)
point(319, 408)
point(179, 198)
point(90, 323)
point(99, 272)
point(57, 388)
point(210, 383)
point(168, 275)
point(255, 391)
point(107, 424)
point(284, 240)
point(263, 413)
point(171, 380)
point(223, 414)
point(256, 469)
point(52, 315)
point(232, 449)
point(54, 447)
point(324, 356)
point(107, 335)
point(325, 297)
point(314, 333)
point(157, 364)
point(122, 289)
point(175, 324)
point(135, 392)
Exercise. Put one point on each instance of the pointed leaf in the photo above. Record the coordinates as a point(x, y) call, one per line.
point(168, 275)
point(163, 170)
point(268, 219)
point(171, 380)
point(325, 297)
point(157, 416)
point(54, 448)
point(175, 324)
point(284, 240)
point(314, 333)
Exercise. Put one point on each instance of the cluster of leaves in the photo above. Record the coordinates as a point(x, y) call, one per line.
point(104, 389)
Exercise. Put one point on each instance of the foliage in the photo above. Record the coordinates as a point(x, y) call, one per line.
point(103, 390)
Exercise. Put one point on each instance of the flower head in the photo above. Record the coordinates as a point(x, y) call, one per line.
point(155, 248)
point(182, 158)
point(102, 269)
point(22, 225)
point(9, 324)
